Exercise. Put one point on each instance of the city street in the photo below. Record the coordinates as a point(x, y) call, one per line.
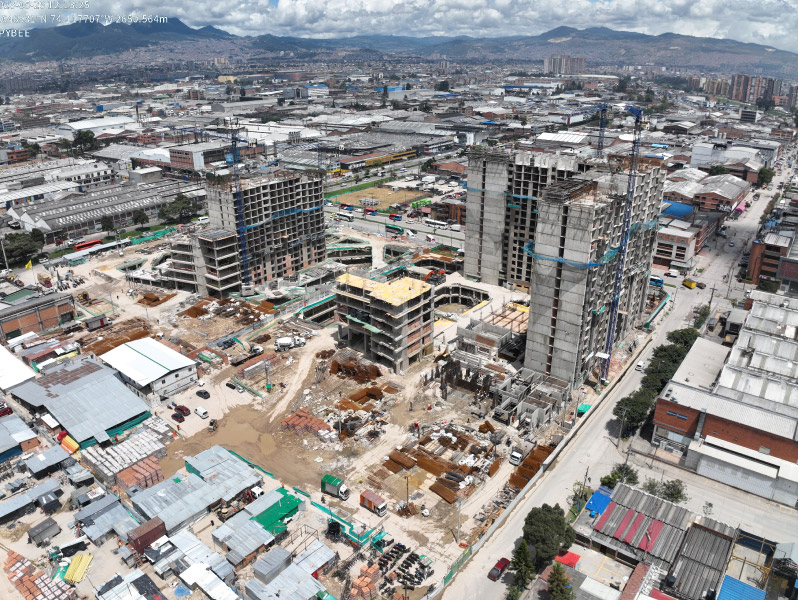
point(594, 451)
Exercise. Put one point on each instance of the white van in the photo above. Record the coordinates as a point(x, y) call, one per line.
point(203, 220)
point(640, 366)
point(455, 227)
point(201, 412)
point(672, 273)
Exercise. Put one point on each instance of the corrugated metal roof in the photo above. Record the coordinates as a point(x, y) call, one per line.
point(271, 564)
point(13, 431)
point(292, 583)
point(145, 360)
point(17, 502)
point(44, 460)
point(242, 537)
point(734, 589)
point(85, 397)
point(701, 562)
point(315, 557)
point(12, 370)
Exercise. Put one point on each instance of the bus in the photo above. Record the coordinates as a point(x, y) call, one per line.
point(85, 245)
point(436, 224)
point(656, 281)
point(369, 211)
point(395, 217)
point(394, 229)
point(343, 206)
point(346, 216)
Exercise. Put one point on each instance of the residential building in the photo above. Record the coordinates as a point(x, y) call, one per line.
point(577, 233)
point(501, 204)
point(389, 322)
point(280, 222)
point(206, 263)
point(151, 369)
point(739, 87)
point(676, 245)
point(767, 252)
point(564, 64)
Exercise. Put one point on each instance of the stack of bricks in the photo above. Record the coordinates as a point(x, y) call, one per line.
point(365, 586)
point(33, 584)
point(302, 421)
point(107, 462)
point(143, 474)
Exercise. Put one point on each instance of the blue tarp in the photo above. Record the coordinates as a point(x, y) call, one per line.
point(678, 210)
point(598, 503)
point(734, 589)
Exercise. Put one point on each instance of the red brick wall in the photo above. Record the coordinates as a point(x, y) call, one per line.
point(673, 423)
point(748, 437)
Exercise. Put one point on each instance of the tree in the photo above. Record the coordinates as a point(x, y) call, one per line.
point(633, 409)
point(180, 209)
point(442, 86)
point(20, 247)
point(84, 139)
point(765, 176)
point(513, 593)
point(522, 564)
point(547, 531)
point(107, 223)
point(38, 236)
point(672, 490)
point(718, 170)
point(621, 473)
point(140, 217)
point(559, 584)
point(683, 337)
point(34, 150)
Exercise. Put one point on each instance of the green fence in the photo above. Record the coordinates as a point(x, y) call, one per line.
point(456, 565)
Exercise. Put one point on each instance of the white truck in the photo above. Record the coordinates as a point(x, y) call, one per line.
point(520, 452)
point(286, 343)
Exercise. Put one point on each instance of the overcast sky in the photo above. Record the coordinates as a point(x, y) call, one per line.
point(769, 22)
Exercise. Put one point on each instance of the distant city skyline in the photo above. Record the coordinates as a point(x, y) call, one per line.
point(767, 22)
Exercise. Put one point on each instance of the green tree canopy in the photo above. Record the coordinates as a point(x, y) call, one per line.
point(20, 247)
point(107, 223)
point(546, 529)
point(442, 86)
point(621, 473)
point(718, 170)
point(84, 140)
point(765, 176)
point(140, 217)
point(683, 337)
point(181, 208)
point(560, 587)
point(523, 564)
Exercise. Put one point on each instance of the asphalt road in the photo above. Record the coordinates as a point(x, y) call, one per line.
point(594, 450)
point(376, 224)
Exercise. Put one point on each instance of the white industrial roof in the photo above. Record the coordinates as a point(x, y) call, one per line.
point(703, 362)
point(12, 370)
point(145, 360)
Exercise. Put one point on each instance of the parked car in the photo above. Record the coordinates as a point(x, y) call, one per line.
point(178, 417)
point(731, 244)
point(183, 410)
point(499, 569)
point(203, 394)
point(231, 385)
point(5, 410)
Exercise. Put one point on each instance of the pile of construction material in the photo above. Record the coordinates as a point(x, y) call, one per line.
point(149, 441)
point(302, 421)
point(143, 474)
point(531, 465)
point(32, 583)
point(365, 586)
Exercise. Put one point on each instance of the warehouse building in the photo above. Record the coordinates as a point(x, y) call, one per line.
point(37, 314)
point(86, 398)
point(151, 369)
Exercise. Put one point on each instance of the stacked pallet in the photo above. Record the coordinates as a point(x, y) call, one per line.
point(107, 462)
point(302, 421)
point(365, 586)
point(143, 474)
point(33, 584)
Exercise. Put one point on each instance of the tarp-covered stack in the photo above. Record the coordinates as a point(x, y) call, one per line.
point(143, 474)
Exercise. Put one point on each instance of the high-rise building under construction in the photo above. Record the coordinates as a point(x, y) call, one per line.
point(547, 223)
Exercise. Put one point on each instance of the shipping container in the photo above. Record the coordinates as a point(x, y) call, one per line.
point(146, 533)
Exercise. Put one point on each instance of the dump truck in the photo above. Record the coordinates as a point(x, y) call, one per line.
point(373, 502)
point(44, 279)
point(334, 486)
point(520, 452)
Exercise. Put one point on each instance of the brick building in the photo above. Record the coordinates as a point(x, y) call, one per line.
point(766, 254)
point(40, 314)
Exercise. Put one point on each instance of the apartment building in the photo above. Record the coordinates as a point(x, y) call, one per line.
point(279, 227)
point(564, 64)
point(766, 255)
point(577, 232)
point(389, 322)
point(502, 200)
point(281, 221)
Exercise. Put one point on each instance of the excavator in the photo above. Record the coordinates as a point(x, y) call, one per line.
point(435, 276)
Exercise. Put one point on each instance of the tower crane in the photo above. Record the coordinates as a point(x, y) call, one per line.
point(617, 287)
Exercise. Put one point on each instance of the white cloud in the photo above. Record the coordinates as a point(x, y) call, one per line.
point(770, 22)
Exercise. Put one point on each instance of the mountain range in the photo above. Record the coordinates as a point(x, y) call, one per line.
point(599, 45)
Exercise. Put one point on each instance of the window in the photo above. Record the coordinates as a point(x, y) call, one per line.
point(764, 450)
point(177, 375)
point(677, 415)
point(163, 380)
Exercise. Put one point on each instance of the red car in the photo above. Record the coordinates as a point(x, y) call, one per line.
point(178, 417)
point(5, 411)
point(498, 570)
point(183, 410)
